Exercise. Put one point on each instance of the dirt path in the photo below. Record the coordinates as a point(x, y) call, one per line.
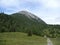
point(49, 42)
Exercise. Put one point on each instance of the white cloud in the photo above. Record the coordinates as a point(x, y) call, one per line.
point(51, 3)
point(9, 3)
point(47, 3)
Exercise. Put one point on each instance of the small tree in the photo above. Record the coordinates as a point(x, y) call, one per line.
point(30, 33)
point(2, 30)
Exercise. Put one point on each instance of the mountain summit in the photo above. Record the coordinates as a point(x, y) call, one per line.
point(30, 15)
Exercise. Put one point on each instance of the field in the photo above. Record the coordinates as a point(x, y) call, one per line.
point(18, 38)
point(56, 41)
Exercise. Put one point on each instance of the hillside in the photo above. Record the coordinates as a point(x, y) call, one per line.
point(6, 23)
point(17, 38)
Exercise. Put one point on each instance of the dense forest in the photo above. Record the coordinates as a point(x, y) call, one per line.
point(21, 23)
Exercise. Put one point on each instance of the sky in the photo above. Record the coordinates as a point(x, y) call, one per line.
point(47, 10)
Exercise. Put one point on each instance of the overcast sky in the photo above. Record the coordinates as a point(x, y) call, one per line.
point(47, 10)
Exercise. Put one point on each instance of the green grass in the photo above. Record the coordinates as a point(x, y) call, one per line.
point(56, 41)
point(18, 38)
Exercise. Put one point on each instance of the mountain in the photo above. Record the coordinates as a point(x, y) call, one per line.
point(28, 21)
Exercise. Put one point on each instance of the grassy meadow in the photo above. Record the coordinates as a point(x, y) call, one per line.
point(18, 38)
point(56, 41)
